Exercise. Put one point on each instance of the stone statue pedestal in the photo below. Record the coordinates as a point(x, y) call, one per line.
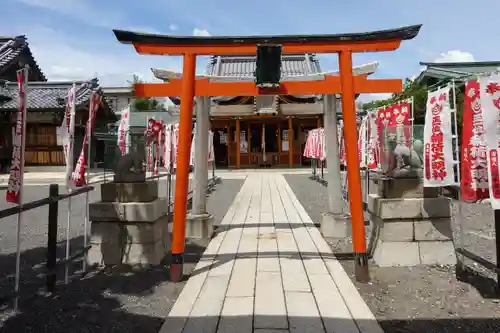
point(129, 226)
point(412, 224)
point(199, 226)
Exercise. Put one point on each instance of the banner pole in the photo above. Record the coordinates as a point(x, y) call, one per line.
point(21, 185)
point(87, 175)
point(69, 165)
point(457, 166)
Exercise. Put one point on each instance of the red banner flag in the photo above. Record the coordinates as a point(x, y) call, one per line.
point(14, 189)
point(474, 172)
point(79, 174)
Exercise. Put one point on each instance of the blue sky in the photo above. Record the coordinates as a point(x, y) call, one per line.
point(73, 39)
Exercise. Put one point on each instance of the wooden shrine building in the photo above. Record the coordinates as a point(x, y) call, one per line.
point(46, 105)
point(263, 130)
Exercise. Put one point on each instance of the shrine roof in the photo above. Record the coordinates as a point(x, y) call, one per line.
point(454, 70)
point(12, 51)
point(48, 95)
point(129, 37)
point(245, 66)
point(242, 68)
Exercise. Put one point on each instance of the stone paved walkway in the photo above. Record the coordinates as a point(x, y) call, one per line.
point(269, 270)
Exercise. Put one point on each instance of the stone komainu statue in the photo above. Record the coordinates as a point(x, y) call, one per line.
point(130, 167)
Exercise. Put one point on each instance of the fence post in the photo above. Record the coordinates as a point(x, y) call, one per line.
point(322, 170)
point(52, 239)
point(497, 244)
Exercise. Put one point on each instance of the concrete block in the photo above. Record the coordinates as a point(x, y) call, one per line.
point(105, 233)
point(334, 225)
point(199, 226)
point(144, 254)
point(395, 231)
point(129, 192)
point(104, 254)
point(433, 230)
point(392, 188)
point(409, 208)
point(437, 253)
point(128, 212)
point(393, 254)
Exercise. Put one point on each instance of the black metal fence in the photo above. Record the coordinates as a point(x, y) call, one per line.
point(52, 264)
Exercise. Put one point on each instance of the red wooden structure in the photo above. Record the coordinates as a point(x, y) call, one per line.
point(346, 84)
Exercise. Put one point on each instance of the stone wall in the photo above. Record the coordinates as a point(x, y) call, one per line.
point(412, 225)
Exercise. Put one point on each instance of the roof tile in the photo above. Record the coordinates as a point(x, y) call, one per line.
point(244, 66)
point(11, 48)
point(48, 95)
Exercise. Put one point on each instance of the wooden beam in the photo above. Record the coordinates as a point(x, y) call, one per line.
point(238, 152)
point(331, 85)
point(287, 48)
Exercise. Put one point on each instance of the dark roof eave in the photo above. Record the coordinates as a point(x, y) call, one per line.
point(130, 37)
point(461, 64)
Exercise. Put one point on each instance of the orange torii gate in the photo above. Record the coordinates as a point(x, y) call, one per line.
point(187, 87)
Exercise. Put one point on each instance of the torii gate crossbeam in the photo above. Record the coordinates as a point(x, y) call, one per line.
point(187, 87)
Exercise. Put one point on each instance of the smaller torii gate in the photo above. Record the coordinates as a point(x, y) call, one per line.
point(188, 86)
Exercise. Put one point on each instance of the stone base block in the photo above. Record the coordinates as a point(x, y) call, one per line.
point(409, 208)
point(199, 226)
point(142, 243)
point(394, 254)
point(394, 231)
point(334, 225)
point(128, 211)
point(393, 188)
point(437, 253)
point(409, 230)
point(129, 192)
point(433, 230)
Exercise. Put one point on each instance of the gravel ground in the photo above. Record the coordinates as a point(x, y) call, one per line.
point(424, 298)
point(105, 301)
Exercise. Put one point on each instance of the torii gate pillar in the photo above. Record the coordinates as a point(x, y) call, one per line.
point(182, 174)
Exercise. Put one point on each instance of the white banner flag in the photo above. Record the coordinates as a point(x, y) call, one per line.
point(490, 100)
point(124, 132)
point(68, 133)
point(438, 153)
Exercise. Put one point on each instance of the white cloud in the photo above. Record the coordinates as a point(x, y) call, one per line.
point(201, 32)
point(455, 56)
point(366, 98)
point(173, 27)
point(70, 58)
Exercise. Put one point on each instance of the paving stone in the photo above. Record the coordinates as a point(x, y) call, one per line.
point(237, 315)
point(336, 318)
point(270, 310)
point(303, 313)
point(242, 282)
point(294, 275)
point(205, 313)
